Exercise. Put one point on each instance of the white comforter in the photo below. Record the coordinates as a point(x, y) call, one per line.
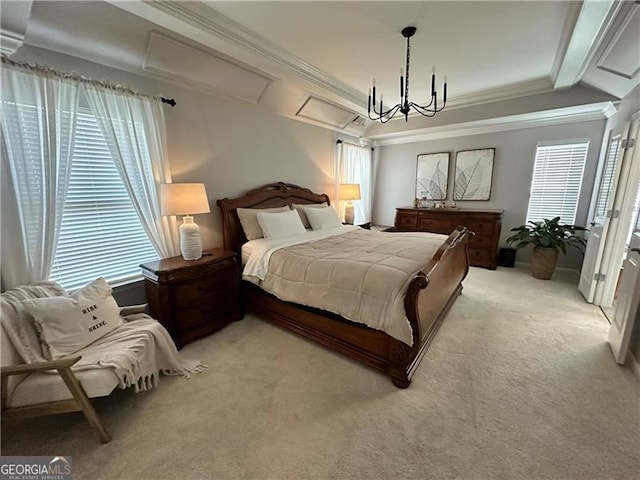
point(360, 275)
point(257, 253)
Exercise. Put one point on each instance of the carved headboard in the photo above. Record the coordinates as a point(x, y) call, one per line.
point(267, 196)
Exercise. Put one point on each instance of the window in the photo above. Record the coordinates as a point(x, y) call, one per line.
point(101, 234)
point(557, 178)
point(606, 182)
point(636, 211)
point(355, 167)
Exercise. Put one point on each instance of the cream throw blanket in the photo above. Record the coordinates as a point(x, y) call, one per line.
point(137, 351)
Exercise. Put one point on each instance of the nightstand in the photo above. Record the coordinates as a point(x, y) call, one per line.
point(193, 298)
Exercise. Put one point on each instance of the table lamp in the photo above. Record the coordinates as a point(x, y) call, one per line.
point(349, 192)
point(186, 199)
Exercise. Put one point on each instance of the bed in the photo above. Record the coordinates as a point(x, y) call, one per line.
point(428, 297)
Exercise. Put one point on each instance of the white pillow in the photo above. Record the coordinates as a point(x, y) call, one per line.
point(69, 323)
point(277, 225)
point(321, 218)
point(249, 221)
point(299, 207)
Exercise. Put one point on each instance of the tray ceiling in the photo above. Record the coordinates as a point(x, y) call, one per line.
point(331, 51)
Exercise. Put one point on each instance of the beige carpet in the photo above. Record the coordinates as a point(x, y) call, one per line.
point(519, 384)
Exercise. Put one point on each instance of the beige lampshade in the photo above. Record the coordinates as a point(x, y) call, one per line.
point(183, 199)
point(349, 191)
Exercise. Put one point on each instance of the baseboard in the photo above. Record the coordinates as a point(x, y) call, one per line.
point(635, 365)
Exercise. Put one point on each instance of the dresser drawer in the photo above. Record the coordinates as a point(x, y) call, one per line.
point(479, 255)
point(437, 225)
point(480, 226)
point(406, 221)
point(481, 241)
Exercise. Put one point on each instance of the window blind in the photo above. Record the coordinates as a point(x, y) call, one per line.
point(636, 210)
point(100, 234)
point(557, 179)
point(606, 181)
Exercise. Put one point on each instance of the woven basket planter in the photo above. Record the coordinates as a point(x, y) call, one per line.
point(543, 262)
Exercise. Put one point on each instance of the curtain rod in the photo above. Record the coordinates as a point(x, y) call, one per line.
point(44, 71)
point(339, 141)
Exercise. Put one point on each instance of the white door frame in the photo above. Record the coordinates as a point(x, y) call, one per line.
point(616, 239)
point(627, 305)
point(591, 264)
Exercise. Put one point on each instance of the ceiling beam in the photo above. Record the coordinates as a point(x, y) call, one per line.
point(593, 21)
point(14, 17)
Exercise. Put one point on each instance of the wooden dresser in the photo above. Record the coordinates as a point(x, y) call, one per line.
point(483, 248)
point(193, 298)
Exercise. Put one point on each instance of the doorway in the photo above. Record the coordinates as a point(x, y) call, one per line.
point(616, 215)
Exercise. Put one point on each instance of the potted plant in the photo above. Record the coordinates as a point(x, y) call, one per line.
point(548, 237)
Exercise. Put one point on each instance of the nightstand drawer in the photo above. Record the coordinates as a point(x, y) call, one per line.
point(201, 290)
point(218, 308)
point(194, 298)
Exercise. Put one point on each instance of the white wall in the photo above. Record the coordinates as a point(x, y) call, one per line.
point(513, 169)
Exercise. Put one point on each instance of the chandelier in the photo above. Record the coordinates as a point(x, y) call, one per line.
point(405, 105)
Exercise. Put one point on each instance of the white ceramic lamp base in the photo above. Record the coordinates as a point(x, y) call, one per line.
point(190, 240)
point(349, 214)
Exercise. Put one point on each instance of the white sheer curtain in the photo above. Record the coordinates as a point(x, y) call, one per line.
point(37, 116)
point(354, 165)
point(134, 128)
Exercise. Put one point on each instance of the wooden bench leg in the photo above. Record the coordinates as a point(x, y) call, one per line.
point(84, 403)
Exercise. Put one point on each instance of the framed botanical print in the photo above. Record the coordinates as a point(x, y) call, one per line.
point(473, 174)
point(432, 175)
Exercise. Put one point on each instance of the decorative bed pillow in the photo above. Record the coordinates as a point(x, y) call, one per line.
point(69, 323)
point(249, 221)
point(282, 224)
point(321, 218)
point(299, 207)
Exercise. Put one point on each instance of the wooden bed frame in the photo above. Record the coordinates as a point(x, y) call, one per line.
point(427, 301)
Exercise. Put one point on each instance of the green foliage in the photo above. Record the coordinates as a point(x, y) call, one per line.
point(548, 234)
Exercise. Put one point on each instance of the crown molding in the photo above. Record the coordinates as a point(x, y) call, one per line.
point(500, 94)
point(506, 92)
point(221, 26)
point(582, 113)
point(10, 42)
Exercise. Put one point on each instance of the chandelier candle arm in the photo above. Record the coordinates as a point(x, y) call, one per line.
point(405, 104)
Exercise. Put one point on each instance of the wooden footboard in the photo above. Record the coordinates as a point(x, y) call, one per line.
point(429, 297)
